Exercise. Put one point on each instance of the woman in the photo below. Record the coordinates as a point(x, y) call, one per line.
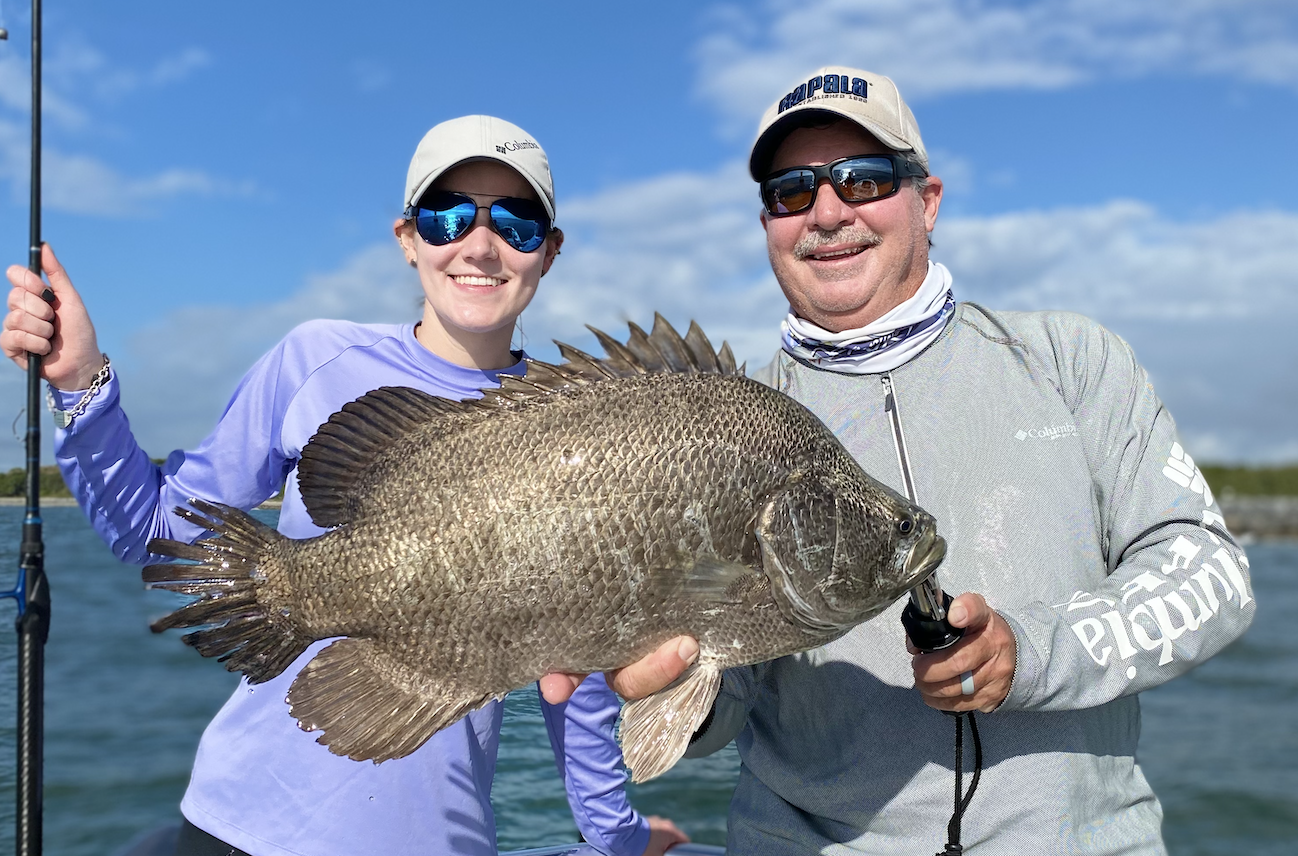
point(478, 226)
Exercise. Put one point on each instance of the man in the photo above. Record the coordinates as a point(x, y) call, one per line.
point(1094, 560)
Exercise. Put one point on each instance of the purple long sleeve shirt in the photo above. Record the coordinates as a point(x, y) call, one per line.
point(259, 782)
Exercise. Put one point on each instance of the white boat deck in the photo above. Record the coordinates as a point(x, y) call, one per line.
point(587, 850)
point(162, 842)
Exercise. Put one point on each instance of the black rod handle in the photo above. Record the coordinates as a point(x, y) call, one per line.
point(925, 617)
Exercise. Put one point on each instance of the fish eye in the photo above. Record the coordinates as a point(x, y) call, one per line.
point(905, 525)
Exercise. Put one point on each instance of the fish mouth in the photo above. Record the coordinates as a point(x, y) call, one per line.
point(924, 557)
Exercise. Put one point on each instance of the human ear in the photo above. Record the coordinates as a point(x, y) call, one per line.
point(405, 231)
point(931, 196)
point(553, 242)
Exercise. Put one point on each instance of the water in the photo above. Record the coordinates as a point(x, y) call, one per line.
point(124, 710)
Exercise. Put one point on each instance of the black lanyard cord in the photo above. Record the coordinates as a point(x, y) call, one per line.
point(962, 801)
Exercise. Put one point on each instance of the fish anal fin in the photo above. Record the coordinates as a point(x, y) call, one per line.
point(656, 730)
point(370, 707)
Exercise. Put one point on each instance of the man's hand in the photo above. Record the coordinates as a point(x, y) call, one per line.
point(643, 677)
point(988, 651)
point(60, 332)
point(663, 835)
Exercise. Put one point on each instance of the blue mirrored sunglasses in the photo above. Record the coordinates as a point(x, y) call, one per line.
point(443, 217)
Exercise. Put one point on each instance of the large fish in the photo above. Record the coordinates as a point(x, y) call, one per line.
point(572, 520)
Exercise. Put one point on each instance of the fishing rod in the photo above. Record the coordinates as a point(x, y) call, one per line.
point(32, 591)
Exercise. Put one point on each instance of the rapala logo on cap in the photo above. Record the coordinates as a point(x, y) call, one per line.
point(830, 84)
point(516, 145)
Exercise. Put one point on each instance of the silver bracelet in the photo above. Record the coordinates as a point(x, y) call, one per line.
point(63, 418)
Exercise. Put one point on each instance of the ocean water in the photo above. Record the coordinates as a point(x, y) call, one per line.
point(125, 708)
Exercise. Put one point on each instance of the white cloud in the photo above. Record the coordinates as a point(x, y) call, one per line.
point(932, 47)
point(175, 68)
point(370, 76)
point(16, 95)
point(1122, 262)
point(175, 402)
point(1206, 304)
point(85, 184)
point(79, 181)
point(687, 245)
point(75, 65)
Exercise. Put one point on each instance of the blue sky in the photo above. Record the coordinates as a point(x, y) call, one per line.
point(216, 173)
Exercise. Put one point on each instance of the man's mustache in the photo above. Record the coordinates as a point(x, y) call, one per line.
point(855, 234)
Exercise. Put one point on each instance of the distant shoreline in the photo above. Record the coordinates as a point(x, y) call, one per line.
point(1249, 517)
point(66, 501)
point(1260, 517)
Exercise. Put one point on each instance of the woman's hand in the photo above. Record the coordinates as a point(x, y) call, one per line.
point(663, 835)
point(60, 331)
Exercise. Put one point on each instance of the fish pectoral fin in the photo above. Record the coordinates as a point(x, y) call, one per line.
point(716, 580)
point(371, 707)
point(656, 730)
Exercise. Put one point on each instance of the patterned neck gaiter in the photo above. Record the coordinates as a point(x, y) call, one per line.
point(882, 345)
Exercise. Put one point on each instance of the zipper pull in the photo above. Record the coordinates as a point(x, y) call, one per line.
point(888, 404)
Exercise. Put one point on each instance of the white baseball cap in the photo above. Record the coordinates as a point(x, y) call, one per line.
point(868, 99)
point(471, 138)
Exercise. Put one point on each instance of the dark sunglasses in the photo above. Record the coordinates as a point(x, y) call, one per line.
point(863, 178)
point(442, 217)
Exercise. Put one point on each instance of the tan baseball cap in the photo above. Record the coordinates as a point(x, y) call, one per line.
point(868, 99)
point(471, 138)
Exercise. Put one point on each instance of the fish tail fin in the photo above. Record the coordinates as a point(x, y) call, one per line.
point(234, 576)
point(656, 730)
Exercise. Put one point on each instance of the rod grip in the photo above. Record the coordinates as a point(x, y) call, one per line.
point(930, 633)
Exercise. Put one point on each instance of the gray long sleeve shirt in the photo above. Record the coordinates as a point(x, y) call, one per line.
point(1057, 479)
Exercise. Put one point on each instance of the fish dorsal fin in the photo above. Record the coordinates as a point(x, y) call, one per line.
point(661, 351)
point(707, 360)
point(621, 358)
point(727, 360)
point(342, 454)
point(338, 466)
point(644, 350)
point(675, 350)
point(583, 361)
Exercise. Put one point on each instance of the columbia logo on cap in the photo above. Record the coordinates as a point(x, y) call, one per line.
point(516, 145)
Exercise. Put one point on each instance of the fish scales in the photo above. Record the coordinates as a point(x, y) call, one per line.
point(569, 523)
point(495, 571)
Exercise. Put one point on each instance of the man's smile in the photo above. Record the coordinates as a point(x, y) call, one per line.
point(827, 255)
